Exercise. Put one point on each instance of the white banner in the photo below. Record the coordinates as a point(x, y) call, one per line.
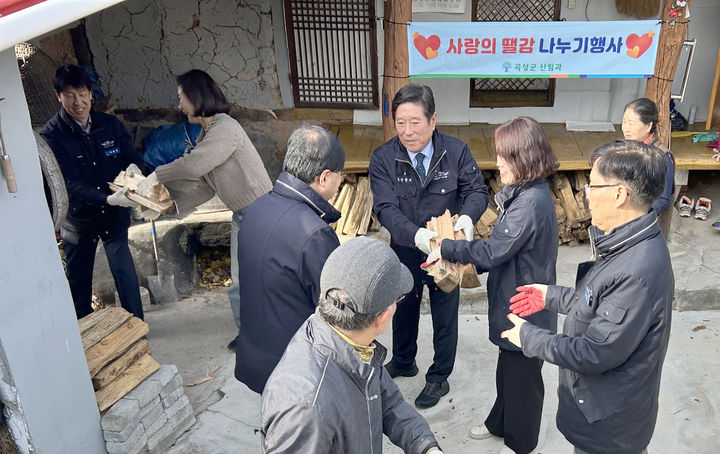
point(438, 6)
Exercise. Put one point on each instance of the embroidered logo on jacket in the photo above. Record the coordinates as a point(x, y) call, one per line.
point(439, 175)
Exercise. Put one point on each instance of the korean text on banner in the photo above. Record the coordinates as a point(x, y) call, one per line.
point(602, 49)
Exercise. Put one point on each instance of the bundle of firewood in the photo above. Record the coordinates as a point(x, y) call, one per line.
point(448, 275)
point(158, 200)
point(117, 353)
point(354, 201)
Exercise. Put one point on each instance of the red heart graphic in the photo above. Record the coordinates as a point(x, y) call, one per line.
point(637, 45)
point(427, 46)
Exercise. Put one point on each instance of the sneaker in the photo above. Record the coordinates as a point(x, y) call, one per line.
point(506, 450)
point(232, 346)
point(702, 208)
point(431, 394)
point(481, 432)
point(685, 206)
point(396, 371)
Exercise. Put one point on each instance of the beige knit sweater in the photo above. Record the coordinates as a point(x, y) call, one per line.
point(224, 161)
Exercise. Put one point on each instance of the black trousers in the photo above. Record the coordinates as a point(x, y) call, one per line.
point(80, 260)
point(444, 309)
point(517, 411)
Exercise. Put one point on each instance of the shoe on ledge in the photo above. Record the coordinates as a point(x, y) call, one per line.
point(396, 371)
point(431, 394)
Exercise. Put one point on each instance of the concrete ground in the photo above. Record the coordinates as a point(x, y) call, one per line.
point(193, 334)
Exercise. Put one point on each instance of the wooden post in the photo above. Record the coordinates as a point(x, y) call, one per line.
point(396, 72)
point(672, 36)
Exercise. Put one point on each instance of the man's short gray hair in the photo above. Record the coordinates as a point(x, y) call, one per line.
point(343, 319)
point(310, 150)
point(639, 167)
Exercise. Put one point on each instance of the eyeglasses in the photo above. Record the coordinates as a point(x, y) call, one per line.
point(589, 187)
point(342, 173)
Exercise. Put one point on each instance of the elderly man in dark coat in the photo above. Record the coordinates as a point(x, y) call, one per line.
point(617, 327)
point(283, 243)
point(330, 392)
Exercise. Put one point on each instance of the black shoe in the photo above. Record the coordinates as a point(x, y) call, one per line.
point(431, 394)
point(396, 371)
point(232, 346)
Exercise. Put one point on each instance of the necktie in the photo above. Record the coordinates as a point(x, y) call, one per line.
point(420, 167)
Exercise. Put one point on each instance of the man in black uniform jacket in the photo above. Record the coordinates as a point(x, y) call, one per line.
point(414, 176)
point(92, 148)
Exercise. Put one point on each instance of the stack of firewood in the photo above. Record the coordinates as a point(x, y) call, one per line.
point(117, 353)
point(570, 208)
point(354, 201)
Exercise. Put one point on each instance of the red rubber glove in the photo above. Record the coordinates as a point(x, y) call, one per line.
point(529, 300)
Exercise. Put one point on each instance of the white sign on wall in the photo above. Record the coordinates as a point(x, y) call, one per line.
point(438, 6)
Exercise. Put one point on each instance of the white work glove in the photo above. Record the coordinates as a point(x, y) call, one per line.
point(432, 257)
point(133, 170)
point(145, 188)
point(422, 239)
point(119, 199)
point(465, 224)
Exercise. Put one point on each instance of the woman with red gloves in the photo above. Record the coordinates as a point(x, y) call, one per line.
point(522, 249)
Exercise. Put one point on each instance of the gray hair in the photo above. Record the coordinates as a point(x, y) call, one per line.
point(639, 167)
point(310, 150)
point(331, 310)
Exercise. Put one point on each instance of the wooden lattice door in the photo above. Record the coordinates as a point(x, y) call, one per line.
point(513, 92)
point(333, 53)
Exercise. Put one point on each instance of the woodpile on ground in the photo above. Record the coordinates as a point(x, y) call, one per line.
point(354, 201)
point(117, 353)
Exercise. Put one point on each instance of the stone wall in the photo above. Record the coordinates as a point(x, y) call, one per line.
point(150, 417)
point(139, 46)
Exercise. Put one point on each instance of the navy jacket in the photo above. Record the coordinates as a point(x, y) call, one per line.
point(614, 339)
point(283, 242)
point(403, 204)
point(88, 162)
point(522, 249)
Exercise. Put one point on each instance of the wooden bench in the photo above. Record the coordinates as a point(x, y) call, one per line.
point(572, 148)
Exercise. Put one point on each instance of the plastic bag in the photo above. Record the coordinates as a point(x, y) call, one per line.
point(168, 142)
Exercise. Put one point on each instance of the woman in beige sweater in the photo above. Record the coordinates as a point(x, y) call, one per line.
point(224, 162)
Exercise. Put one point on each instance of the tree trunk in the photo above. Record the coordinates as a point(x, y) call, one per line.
point(396, 72)
point(672, 36)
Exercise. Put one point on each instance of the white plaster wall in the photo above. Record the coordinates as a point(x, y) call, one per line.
point(705, 27)
point(139, 46)
point(575, 99)
point(38, 329)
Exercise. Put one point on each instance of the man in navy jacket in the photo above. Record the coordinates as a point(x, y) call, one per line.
point(283, 243)
point(91, 148)
point(617, 328)
point(419, 174)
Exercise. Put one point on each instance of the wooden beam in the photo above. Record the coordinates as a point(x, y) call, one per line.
point(100, 354)
point(133, 376)
point(670, 43)
point(118, 367)
point(396, 69)
point(713, 116)
point(113, 318)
